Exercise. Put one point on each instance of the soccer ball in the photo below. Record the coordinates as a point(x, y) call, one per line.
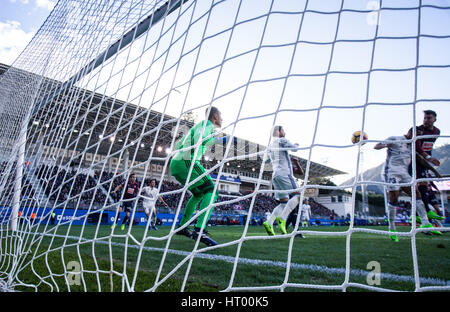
point(357, 136)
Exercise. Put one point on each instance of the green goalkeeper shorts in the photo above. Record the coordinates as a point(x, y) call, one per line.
point(180, 170)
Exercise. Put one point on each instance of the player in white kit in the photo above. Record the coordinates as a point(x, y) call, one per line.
point(150, 195)
point(282, 180)
point(395, 172)
point(306, 213)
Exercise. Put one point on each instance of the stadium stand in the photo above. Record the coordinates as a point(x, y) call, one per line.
point(79, 185)
point(68, 184)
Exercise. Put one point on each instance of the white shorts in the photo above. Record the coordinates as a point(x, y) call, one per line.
point(148, 207)
point(397, 178)
point(305, 218)
point(281, 183)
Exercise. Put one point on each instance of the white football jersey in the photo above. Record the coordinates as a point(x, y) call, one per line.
point(150, 195)
point(306, 210)
point(398, 155)
point(281, 162)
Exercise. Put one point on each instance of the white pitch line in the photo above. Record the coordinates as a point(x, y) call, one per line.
point(309, 267)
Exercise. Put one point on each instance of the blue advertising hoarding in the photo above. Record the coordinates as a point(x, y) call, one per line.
point(82, 216)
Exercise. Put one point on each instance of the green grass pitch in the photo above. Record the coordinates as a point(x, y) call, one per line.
point(315, 260)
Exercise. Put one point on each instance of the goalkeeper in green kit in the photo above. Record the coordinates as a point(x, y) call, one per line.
point(203, 189)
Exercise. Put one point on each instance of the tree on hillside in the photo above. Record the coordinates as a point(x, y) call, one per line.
point(322, 181)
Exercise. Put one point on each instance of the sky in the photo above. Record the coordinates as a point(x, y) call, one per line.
point(344, 94)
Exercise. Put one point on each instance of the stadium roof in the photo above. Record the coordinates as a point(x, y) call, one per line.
point(94, 122)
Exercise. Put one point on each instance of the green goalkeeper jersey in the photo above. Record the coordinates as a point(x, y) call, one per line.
point(191, 138)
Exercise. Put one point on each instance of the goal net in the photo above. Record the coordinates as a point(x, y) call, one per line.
point(106, 89)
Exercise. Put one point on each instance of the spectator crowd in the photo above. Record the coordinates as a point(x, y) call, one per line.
point(84, 188)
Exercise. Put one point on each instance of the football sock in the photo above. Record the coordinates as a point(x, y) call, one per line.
point(420, 208)
point(190, 208)
point(392, 212)
point(205, 203)
point(291, 204)
point(424, 194)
